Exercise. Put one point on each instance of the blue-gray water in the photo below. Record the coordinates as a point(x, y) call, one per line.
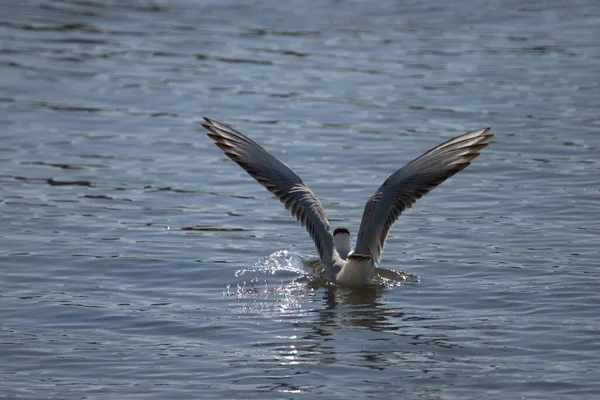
point(137, 261)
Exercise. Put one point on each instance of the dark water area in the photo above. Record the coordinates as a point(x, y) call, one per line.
point(137, 261)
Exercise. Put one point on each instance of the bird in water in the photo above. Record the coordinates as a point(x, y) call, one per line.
point(344, 265)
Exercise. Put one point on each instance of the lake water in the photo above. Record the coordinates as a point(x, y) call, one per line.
point(138, 262)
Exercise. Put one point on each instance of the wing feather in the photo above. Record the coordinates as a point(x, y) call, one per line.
point(279, 179)
point(411, 182)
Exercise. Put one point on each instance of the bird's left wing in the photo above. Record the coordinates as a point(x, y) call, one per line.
point(408, 184)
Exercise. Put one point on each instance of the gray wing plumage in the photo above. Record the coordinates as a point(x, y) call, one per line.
point(405, 186)
point(280, 180)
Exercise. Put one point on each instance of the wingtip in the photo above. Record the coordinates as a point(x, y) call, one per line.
point(211, 131)
point(486, 134)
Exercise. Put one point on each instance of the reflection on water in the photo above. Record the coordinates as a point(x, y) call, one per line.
point(355, 307)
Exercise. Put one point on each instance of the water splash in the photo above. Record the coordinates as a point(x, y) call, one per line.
point(284, 272)
point(277, 285)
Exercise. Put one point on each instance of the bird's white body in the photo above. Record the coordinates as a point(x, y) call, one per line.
point(401, 190)
point(356, 271)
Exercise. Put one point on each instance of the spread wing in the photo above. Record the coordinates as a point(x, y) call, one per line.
point(280, 180)
point(405, 186)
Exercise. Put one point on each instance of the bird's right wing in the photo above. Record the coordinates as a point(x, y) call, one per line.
point(408, 184)
point(280, 180)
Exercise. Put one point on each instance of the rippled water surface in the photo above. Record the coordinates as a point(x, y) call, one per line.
point(137, 261)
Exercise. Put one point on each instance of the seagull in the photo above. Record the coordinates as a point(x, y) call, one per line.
point(342, 264)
